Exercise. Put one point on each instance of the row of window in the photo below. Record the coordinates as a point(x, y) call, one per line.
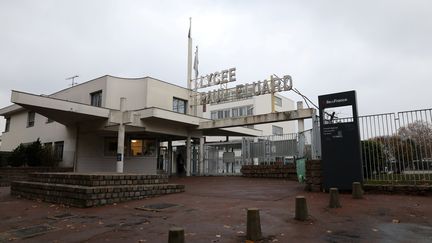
point(134, 147)
point(31, 118)
point(232, 112)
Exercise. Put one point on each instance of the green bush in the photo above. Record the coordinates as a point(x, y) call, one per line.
point(18, 156)
point(4, 158)
point(33, 154)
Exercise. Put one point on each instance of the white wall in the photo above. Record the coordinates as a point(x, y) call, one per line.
point(262, 105)
point(81, 93)
point(91, 158)
point(46, 132)
point(160, 94)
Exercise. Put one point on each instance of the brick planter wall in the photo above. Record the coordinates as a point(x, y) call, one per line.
point(88, 190)
point(9, 174)
point(313, 176)
point(419, 190)
point(270, 171)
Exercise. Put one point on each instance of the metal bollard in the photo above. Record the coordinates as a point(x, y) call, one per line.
point(253, 231)
point(334, 198)
point(176, 235)
point(301, 211)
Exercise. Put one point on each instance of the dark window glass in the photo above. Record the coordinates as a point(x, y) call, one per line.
point(31, 119)
point(179, 105)
point(96, 98)
point(7, 126)
point(58, 150)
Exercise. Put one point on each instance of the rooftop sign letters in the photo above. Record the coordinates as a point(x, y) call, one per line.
point(240, 91)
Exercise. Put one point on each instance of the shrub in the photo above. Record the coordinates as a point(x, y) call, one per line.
point(4, 158)
point(33, 154)
point(18, 156)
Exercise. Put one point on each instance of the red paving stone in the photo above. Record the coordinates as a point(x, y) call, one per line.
point(213, 209)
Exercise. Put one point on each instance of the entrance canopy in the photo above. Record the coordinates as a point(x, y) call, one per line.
point(150, 120)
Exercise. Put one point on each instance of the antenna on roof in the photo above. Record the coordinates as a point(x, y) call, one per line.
point(73, 80)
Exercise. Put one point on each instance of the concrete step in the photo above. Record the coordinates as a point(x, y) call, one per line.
point(89, 196)
point(98, 179)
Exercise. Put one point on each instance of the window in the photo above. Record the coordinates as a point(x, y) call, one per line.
point(213, 115)
point(179, 105)
point(110, 147)
point(31, 119)
point(142, 147)
point(96, 98)
point(227, 113)
point(250, 111)
point(235, 112)
point(58, 150)
point(7, 126)
point(278, 101)
point(277, 130)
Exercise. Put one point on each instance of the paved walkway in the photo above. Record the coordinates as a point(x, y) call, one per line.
point(213, 210)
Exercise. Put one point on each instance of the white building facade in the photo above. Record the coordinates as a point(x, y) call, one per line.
point(83, 123)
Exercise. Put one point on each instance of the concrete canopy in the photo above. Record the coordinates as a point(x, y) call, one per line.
point(61, 111)
point(150, 120)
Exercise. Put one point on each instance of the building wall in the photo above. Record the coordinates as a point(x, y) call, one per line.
point(135, 90)
point(91, 158)
point(262, 105)
point(46, 132)
point(161, 94)
point(81, 92)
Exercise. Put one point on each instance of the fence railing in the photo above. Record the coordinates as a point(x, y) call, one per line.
point(397, 147)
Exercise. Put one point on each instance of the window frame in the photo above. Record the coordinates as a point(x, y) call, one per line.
point(274, 127)
point(94, 101)
point(7, 124)
point(278, 101)
point(176, 105)
point(31, 118)
point(58, 154)
point(145, 147)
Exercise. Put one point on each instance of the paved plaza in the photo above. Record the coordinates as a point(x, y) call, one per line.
point(213, 209)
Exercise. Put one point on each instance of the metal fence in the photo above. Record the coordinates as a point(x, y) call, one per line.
point(228, 157)
point(396, 147)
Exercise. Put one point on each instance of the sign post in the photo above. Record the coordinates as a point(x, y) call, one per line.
point(340, 141)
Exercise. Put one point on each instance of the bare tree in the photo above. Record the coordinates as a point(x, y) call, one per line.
point(421, 133)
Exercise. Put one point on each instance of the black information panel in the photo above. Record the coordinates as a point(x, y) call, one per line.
point(340, 140)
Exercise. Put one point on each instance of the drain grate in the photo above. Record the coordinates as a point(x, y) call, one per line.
point(62, 216)
point(26, 232)
point(157, 206)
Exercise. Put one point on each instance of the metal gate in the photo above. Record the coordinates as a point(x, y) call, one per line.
point(228, 157)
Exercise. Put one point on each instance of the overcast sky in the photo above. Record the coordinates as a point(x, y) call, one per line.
point(381, 49)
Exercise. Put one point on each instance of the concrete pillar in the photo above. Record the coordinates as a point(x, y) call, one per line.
point(301, 211)
point(170, 158)
point(121, 138)
point(253, 229)
point(300, 121)
point(334, 198)
point(201, 156)
point(188, 156)
point(357, 192)
point(176, 235)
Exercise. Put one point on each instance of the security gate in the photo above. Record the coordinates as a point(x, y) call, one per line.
point(228, 157)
